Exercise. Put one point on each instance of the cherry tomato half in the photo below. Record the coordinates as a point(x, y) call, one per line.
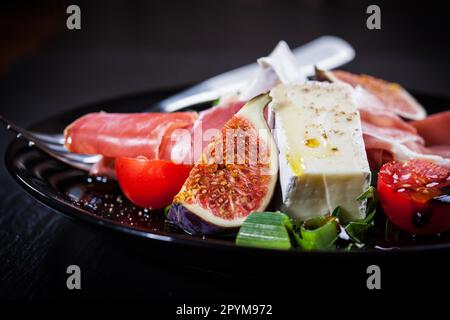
point(150, 183)
point(415, 195)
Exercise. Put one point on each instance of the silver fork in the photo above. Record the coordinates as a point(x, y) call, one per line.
point(326, 52)
point(53, 145)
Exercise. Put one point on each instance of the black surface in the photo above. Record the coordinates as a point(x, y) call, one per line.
point(126, 47)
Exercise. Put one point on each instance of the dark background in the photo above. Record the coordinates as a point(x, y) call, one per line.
point(126, 47)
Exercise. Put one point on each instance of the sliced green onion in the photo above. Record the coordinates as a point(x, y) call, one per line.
point(265, 230)
point(318, 233)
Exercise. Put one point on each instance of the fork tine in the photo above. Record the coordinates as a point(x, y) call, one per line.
point(18, 130)
point(55, 143)
point(79, 161)
point(61, 149)
point(56, 139)
point(84, 158)
point(57, 148)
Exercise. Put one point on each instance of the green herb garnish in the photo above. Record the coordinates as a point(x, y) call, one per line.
point(317, 233)
point(274, 230)
point(357, 229)
point(265, 230)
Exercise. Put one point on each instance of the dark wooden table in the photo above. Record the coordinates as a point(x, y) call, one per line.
point(125, 48)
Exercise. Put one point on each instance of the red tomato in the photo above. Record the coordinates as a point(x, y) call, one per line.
point(150, 183)
point(415, 195)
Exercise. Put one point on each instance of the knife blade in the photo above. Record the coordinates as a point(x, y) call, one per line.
point(326, 52)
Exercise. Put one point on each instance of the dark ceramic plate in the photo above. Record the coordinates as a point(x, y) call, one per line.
point(100, 202)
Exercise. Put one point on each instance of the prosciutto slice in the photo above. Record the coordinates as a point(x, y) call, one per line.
point(435, 129)
point(178, 136)
point(393, 97)
point(384, 144)
point(387, 136)
point(374, 111)
point(126, 134)
point(186, 146)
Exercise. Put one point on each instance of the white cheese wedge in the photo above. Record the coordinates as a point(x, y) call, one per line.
point(323, 162)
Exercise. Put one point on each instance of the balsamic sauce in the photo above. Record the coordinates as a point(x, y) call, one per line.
point(104, 198)
point(421, 219)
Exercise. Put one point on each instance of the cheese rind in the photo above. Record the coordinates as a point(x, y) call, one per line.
point(323, 163)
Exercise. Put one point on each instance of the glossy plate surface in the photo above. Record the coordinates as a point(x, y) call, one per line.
point(100, 202)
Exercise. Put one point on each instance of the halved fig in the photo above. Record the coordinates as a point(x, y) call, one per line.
point(235, 175)
point(392, 95)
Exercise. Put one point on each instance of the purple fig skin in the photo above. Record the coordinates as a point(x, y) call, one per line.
point(192, 223)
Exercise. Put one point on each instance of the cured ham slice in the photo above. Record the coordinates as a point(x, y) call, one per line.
point(378, 151)
point(393, 96)
point(386, 135)
point(179, 136)
point(381, 150)
point(373, 110)
point(386, 144)
point(435, 129)
point(125, 134)
point(440, 150)
point(186, 146)
point(432, 141)
point(210, 122)
point(401, 136)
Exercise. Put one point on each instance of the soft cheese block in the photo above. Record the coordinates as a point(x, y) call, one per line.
point(323, 162)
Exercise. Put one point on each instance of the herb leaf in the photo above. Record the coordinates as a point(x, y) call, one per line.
point(370, 193)
point(357, 230)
